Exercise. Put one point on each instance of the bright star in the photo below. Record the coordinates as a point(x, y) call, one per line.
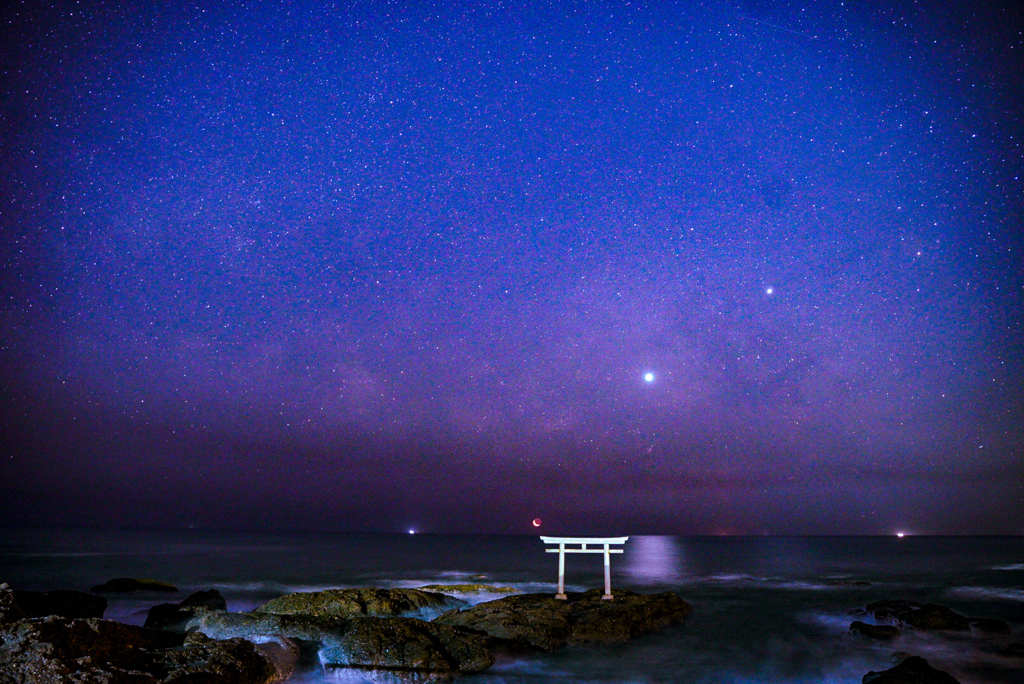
point(649, 377)
point(770, 290)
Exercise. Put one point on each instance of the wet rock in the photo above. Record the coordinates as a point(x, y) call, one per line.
point(912, 670)
point(403, 647)
point(171, 615)
point(385, 645)
point(62, 602)
point(879, 632)
point(540, 621)
point(94, 651)
point(989, 625)
point(127, 585)
point(357, 602)
point(898, 657)
point(928, 616)
point(10, 611)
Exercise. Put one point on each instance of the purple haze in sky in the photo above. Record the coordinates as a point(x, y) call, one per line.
point(373, 266)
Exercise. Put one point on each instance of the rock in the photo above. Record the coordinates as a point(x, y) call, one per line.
point(540, 621)
point(374, 646)
point(126, 585)
point(63, 602)
point(913, 670)
point(357, 602)
point(468, 589)
point(898, 657)
point(234, 661)
point(880, 632)
point(1014, 650)
point(928, 616)
point(377, 646)
point(10, 611)
point(169, 615)
point(989, 625)
point(57, 650)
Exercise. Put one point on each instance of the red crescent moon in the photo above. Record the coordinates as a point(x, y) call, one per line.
point(536, 522)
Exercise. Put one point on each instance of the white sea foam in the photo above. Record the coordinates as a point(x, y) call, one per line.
point(988, 593)
point(1011, 566)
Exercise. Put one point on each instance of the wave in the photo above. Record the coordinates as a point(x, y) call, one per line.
point(1011, 566)
point(988, 593)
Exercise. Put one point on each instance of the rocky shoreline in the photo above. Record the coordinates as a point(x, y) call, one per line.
point(377, 634)
point(51, 637)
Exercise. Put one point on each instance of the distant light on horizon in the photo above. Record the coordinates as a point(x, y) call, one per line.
point(900, 535)
point(412, 531)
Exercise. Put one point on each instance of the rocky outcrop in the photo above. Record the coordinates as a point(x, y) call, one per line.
point(878, 632)
point(368, 601)
point(928, 616)
point(58, 650)
point(378, 646)
point(396, 648)
point(171, 615)
point(10, 611)
point(62, 602)
point(540, 621)
point(912, 670)
point(127, 585)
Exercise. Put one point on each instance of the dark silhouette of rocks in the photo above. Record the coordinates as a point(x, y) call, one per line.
point(127, 585)
point(912, 670)
point(928, 616)
point(55, 650)
point(879, 632)
point(989, 625)
point(62, 602)
point(540, 621)
point(169, 615)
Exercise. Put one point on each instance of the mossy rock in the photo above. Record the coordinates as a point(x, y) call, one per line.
point(363, 602)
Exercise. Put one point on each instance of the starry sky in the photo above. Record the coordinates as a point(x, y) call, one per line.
point(672, 267)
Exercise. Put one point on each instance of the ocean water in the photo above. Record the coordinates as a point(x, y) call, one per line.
point(766, 609)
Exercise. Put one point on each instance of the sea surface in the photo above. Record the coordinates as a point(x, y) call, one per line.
point(766, 609)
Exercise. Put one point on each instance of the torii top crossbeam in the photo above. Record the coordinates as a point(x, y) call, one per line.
point(604, 542)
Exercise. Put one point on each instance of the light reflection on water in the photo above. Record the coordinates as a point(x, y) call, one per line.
point(654, 560)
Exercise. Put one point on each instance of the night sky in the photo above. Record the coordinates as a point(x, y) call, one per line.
point(688, 268)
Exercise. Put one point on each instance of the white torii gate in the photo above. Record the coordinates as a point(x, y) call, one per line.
point(605, 542)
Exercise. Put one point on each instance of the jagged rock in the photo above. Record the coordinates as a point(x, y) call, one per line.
point(898, 657)
point(468, 589)
point(10, 611)
point(63, 602)
point(57, 650)
point(126, 585)
point(357, 602)
point(541, 621)
point(407, 644)
point(928, 616)
point(404, 647)
point(913, 670)
point(169, 615)
point(880, 632)
point(989, 625)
